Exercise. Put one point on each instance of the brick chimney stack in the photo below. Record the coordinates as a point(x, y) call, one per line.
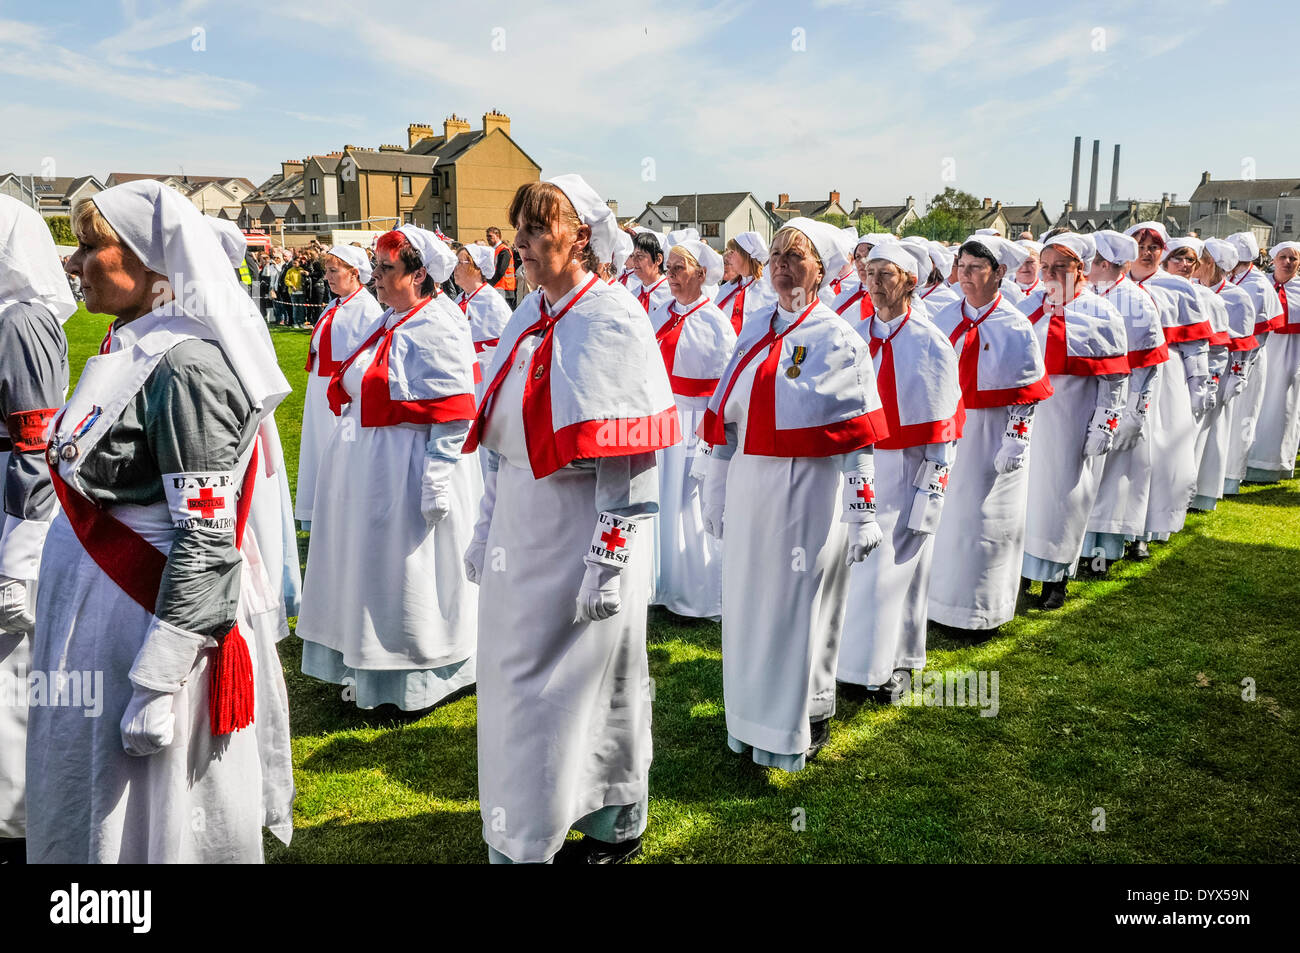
point(453, 126)
point(494, 120)
point(416, 132)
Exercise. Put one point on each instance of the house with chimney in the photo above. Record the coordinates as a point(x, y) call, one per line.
point(56, 195)
point(782, 210)
point(718, 216)
point(893, 218)
point(1246, 204)
point(1026, 218)
point(216, 195)
point(1118, 216)
point(277, 201)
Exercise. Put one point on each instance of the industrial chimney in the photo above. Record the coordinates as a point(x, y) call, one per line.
point(1092, 183)
point(1074, 173)
point(1114, 179)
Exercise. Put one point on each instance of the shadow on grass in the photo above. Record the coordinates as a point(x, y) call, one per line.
point(1271, 494)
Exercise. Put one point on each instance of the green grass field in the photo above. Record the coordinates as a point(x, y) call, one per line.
point(1129, 702)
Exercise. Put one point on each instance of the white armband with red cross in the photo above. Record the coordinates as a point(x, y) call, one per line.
point(202, 500)
point(1018, 426)
point(611, 544)
point(932, 477)
point(860, 496)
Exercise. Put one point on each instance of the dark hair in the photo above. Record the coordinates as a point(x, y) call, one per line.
point(540, 206)
point(396, 244)
point(978, 250)
point(644, 241)
point(493, 230)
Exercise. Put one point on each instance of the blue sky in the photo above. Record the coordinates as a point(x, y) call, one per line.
point(876, 100)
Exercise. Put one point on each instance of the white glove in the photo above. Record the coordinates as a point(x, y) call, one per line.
point(699, 465)
point(931, 483)
point(1014, 451)
point(1101, 431)
point(435, 499)
point(1129, 431)
point(599, 596)
point(1233, 385)
point(17, 605)
point(714, 498)
point(863, 538)
point(148, 722)
point(474, 559)
point(1202, 398)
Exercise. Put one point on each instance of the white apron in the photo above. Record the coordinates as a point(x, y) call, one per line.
point(1172, 432)
point(1120, 508)
point(982, 531)
point(1216, 435)
point(1246, 409)
point(15, 660)
point(202, 799)
point(689, 561)
point(884, 622)
point(1277, 435)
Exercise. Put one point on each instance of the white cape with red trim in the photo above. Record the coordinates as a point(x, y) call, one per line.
point(1137, 306)
point(1186, 310)
point(1212, 308)
point(488, 313)
point(605, 362)
point(705, 343)
point(1268, 308)
point(835, 383)
point(1241, 310)
point(1009, 356)
point(1094, 330)
point(926, 387)
point(432, 354)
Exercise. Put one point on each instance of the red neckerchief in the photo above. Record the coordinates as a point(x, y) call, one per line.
point(968, 361)
point(537, 393)
point(336, 393)
point(105, 344)
point(1054, 353)
point(1031, 287)
point(856, 296)
point(323, 339)
point(737, 309)
point(770, 340)
point(667, 336)
point(644, 295)
point(465, 299)
point(931, 290)
point(1249, 269)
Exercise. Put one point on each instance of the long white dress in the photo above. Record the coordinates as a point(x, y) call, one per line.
point(1247, 407)
point(339, 332)
point(386, 606)
point(563, 705)
point(1277, 435)
point(885, 618)
point(784, 599)
point(696, 341)
point(1238, 310)
point(981, 537)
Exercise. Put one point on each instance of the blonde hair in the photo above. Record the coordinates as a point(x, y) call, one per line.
point(793, 238)
point(686, 256)
point(90, 227)
point(753, 264)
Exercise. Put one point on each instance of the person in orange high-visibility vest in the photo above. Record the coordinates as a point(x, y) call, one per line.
point(503, 278)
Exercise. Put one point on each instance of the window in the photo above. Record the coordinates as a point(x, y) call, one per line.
point(709, 230)
point(409, 218)
point(314, 217)
point(446, 180)
point(406, 185)
point(436, 181)
point(437, 221)
point(339, 179)
point(315, 186)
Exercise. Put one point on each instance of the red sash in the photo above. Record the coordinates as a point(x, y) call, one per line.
point(913, 435)
point(324, 353)
point(643, 296)
point(136, 567)
point(866, 307)
point(737, 309)
point(465, 300)
point(667, 336)
point(1284, 327)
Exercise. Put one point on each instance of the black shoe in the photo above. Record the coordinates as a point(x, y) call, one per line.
point(1053, 595)
point(853, 692)
point(821, 733)
point(899, 684)
point(588, 850)
point(1138, 551)
point(1025, 583)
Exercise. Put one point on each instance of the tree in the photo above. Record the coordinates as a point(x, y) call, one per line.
point(60, 227)
point(834, 218)
point(869, 223)
point(957, 202)
point(940, 225)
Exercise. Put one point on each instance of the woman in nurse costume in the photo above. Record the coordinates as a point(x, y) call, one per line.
point(482, 304)
point(789, 490)
point(1218, 258)
point(148, 575)
point(696, 339)
point(916, 375)
point(935, 293)
point(847, 283)
point(1085, 349)
point(1268, 314)
point(34, 302)
point(647, 259)
point(576, 405)
point(1277, 434)
point(1181, 389)
point(856, 306)
point(1000, 368)
point(743, 292)
point(346, 322)
point(1027, 275)
point(385, 603)
point(1120, 510)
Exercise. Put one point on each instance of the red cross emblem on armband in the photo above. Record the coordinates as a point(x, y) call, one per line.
point(206, 504)
point(866, 493)
point(613, 539)
point(1021, 428)
point(1112, 422)
point(943, 481)
point(1238, 367)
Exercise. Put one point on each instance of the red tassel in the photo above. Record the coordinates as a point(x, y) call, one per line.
point(231, 686)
